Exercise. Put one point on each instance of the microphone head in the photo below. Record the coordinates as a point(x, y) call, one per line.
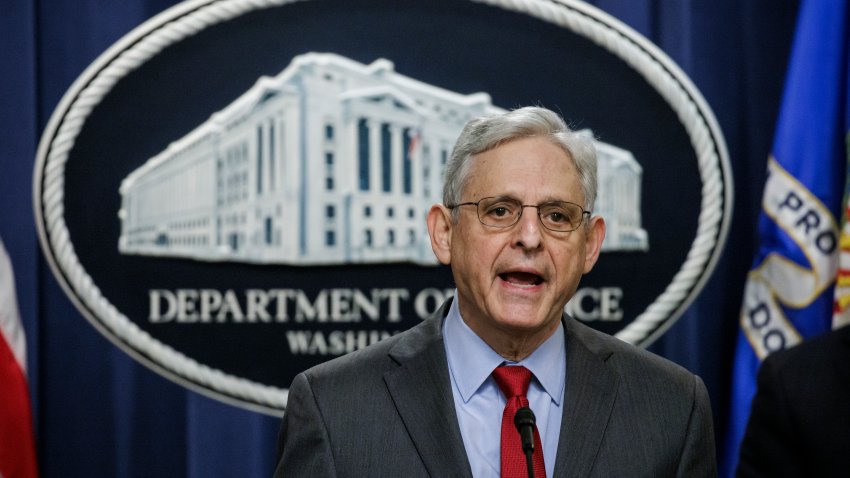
point(524, 421)
point(524, 418)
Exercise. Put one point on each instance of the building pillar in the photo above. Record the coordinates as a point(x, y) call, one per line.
point(274, 155)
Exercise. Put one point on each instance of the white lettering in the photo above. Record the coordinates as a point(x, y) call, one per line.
point(339, 305)
point(337, 342)
point(258, 301)
point(230, 307)
point(186, 299)
point(156, 296)
point(427, 301)
point(395, 296)
point(210, 300)
point(590, 304)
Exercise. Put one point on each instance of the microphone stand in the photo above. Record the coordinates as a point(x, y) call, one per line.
point(524, 421)
point(529, 461)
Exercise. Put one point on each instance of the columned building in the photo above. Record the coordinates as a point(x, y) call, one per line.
point(331, 161)
point(618, 200)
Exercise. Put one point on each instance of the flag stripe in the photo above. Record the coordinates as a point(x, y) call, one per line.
point(17, 444)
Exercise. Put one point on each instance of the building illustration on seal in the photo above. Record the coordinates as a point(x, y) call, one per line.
point(330, 162)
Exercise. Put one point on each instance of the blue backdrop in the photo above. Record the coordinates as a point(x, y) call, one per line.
point(99, 413)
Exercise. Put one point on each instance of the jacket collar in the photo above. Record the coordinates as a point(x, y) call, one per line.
point(421, 390)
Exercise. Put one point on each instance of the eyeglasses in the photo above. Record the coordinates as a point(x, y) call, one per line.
point(503, 212)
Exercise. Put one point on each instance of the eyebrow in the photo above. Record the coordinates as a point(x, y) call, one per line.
point(544, 201)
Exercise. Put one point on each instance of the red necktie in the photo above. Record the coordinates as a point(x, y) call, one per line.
point(514, 384)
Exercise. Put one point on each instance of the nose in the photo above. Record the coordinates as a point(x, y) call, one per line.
point(528, 230)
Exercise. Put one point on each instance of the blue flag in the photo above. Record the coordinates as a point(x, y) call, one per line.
point(790, 293)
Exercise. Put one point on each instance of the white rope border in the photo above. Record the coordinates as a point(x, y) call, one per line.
point(191, 17)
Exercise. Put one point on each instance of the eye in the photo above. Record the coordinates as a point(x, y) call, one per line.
point(556, 217)
point(560, 215)
point(499, 209)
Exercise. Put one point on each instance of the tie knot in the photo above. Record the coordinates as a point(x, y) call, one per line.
point(512, 380)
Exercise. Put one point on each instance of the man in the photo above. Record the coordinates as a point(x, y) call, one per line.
point(800, 420)
point(517, 231)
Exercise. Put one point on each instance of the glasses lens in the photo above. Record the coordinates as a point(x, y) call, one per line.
point(561, 216)
point(498, 212)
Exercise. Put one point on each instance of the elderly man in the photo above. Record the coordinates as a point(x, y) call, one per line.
point(439, 400)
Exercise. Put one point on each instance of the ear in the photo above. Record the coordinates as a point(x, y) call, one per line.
point(440, 229)
point(593, 242)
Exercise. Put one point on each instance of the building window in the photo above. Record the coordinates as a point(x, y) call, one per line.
point(329, 171)
point(411, 213)
point(330, 238)
point(367, 211)
point(390, 212)
point(407, 165)
point(363, 153)
point(386, 158)
point(411, 237)
point(390, 237)
point(329, 132)
point(367, 237)
point(330, 211)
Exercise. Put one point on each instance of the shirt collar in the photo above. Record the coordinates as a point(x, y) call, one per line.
point(471, 360)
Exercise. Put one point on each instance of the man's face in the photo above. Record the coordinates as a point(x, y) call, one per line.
point(516, 280)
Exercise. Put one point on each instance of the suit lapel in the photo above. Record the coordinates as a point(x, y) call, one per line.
point(421, 390)
point(591, 388)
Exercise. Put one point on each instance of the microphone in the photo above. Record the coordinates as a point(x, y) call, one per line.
point(524, 421)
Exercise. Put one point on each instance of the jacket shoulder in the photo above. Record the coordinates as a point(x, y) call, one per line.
point(633, 365)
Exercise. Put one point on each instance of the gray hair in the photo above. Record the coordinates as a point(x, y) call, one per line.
point(488, 132)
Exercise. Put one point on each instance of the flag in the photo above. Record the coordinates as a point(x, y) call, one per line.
point(17, 446)
point(790, 293)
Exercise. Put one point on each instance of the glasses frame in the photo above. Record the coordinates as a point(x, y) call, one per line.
point(584, 213)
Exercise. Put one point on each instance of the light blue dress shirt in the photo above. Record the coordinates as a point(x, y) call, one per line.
point(479, 403)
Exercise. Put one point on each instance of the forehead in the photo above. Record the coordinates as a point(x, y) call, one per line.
point(527, 168)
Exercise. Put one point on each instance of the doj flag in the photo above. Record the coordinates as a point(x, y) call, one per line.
point(790, 293)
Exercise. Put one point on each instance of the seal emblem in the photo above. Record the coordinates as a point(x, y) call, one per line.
point(236, 190)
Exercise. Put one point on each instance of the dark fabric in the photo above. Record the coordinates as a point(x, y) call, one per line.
point(800, 421)
point(409, 406)
point(99, 413)
point(626, 413)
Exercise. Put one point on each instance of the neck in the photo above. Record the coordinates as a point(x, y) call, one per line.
point(514, 345)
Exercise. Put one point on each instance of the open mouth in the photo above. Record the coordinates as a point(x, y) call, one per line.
point(521, 279)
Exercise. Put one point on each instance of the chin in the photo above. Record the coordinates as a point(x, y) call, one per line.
point(521, 318)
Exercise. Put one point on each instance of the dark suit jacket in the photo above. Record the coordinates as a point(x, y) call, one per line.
point(800, 419)
point(388, 410)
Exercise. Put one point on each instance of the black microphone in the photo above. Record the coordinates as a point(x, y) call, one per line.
point(524, 421)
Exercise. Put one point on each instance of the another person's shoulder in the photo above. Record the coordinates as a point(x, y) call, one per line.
point(816, 362)
point(812, 352)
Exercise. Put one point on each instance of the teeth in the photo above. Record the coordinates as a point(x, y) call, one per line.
point(523, 286)
point(522, 279)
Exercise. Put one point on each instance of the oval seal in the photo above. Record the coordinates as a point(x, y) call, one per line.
point(236, 191)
